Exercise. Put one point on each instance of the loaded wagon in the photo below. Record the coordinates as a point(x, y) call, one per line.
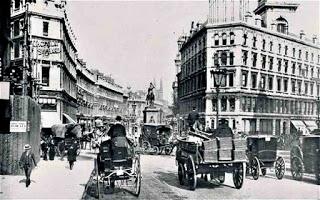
point(305, 156)
point(262, 154)
point(215, 157)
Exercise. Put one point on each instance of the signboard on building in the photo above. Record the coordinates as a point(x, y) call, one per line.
point(18, 126)
point(45, 48)
point(4, 90)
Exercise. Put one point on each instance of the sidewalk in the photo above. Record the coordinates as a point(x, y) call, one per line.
point(50, 180)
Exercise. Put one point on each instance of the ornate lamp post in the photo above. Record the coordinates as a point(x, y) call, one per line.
point(218, 77)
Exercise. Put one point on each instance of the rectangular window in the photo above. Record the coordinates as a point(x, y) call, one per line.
point(270, 63)
point(17, 4)
point(270, 46)
point(270, 83)
point(285, 85)
point(253, 81)
point(263, 44)
point(244, 79)
point(16, 28)
point(16, 49)
point(232, 104)
point(279, 65)
point(285, 66)
point(263, 82)
point(254, 59)
point(311, 89)
point(231, 79)
point(254, 41)
point(299, 87)
point(293, 68)
point(293, 52)
point(224, 104)
point(279, 84)
point(293, 86)
point(231, 58)
point(45, 28)
point(45, 75)
point(263, 61)
point(244, 57)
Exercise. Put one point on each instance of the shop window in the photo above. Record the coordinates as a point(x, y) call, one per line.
point(45, 75)
point(45, 28)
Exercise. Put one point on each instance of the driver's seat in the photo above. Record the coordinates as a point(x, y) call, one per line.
point(121, 152)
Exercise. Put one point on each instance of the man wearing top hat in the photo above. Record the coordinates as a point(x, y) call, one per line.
point(27, 161)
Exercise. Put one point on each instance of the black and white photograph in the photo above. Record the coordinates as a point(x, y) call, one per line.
point(159, 99)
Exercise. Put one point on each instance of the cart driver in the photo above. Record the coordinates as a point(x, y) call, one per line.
point(118, 136)
point(223, 129)
point(193, 118)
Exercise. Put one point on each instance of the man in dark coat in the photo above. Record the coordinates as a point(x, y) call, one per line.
point(223, 130)
point(193, 117)
point(120, 145)
point(44, 149)
point(27, 161)
point(72, 154)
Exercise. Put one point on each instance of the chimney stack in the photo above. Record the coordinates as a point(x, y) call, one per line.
point(302, 34)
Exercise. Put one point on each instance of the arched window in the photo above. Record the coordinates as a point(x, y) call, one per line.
point(224, 58)
point(224, 39)
point(282, 25)
point(231, 38)
point(216, 39)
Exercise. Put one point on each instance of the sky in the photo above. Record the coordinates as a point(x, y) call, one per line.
point(135, 41)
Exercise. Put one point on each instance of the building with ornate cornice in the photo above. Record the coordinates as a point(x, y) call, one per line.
point(51, 63)
point(273, 78)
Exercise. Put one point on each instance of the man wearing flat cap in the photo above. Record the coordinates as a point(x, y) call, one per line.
point(27, 161)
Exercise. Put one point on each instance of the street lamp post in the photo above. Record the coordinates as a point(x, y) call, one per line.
point(218, 76)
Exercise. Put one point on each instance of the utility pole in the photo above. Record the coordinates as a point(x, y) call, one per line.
point(25, 43)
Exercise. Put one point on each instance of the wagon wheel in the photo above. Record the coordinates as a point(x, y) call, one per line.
point(191, 173)
point(255, 168)
point(181, 173)
point(222, 177)
point(296, 168)
point(167, 150)
point(280, 168)
point(156, 150)
point(238, 176)
point(145, 145)
point(264, 171)
point(137, 182)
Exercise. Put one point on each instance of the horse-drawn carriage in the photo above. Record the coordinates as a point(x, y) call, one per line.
point(214, 157)
point(157, 138)
point(114, 163)
point(65, 135)
point(305, 156)
point(262, 154)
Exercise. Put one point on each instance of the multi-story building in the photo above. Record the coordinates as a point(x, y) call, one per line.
point(273, 76)
point(52, 57)
point(86, 87)
point(109, 97)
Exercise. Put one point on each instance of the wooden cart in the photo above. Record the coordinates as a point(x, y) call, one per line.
point(214, 157)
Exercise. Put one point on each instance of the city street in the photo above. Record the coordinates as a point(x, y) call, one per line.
point(54, 180)
point(159, 181)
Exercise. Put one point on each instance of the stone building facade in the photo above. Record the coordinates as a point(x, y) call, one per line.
point(272, 81)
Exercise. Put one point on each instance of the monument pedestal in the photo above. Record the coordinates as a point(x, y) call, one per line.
point(152, 115)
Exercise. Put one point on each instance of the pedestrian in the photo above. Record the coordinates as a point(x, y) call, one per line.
point(72, 154)
point(44, 149)
point(27, 162)
point(52, 151)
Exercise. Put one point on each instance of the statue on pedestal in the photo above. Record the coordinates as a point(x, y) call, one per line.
point(150, 96)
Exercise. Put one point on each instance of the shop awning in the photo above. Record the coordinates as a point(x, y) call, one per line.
point(311, 125)
point(299, 125)
point(69, 119)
